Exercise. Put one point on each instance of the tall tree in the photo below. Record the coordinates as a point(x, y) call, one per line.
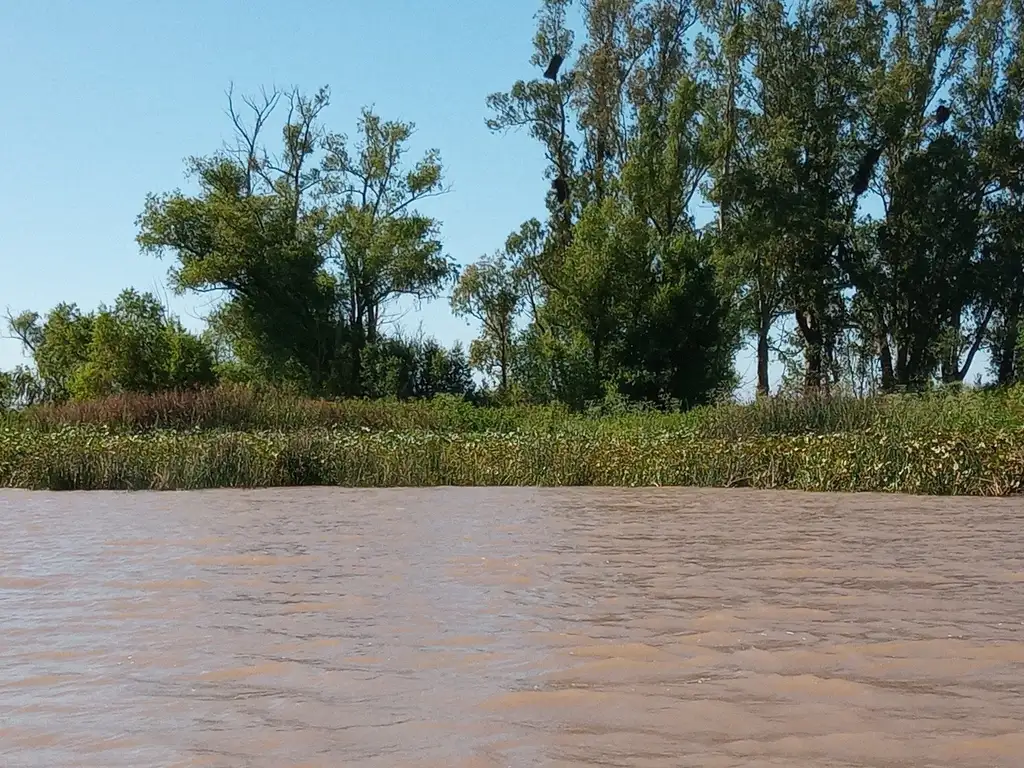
point(988, 98)
point(254, 234)
point(382, 246)
point(916, 277)
point(306, 244)
point(794, 175)
point(624, 134)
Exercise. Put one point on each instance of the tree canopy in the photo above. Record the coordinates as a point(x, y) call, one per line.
point(839, 183)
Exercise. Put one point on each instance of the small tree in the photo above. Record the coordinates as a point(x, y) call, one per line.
point(490, 292)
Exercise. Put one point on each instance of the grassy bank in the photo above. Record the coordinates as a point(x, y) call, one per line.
point(970, 444)
point(244, 409)
point(989, 463)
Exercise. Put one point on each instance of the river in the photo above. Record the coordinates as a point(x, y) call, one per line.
point(510, 627)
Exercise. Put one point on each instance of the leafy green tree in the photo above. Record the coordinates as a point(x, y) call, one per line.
point(19, 387)
point(624, 134)
point(254, 234)
point(130, 347)
point(382, 246)
point(750, 252)
point(806, 68)
point(488, 291)
point(926, 249)
point(307, 245)
point(415, 368)
point(988, 99)
point(58, 345)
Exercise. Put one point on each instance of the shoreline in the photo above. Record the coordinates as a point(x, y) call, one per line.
point(979, 462)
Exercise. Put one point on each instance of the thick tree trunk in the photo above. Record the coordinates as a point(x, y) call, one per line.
point(902, 374)
point(810, 330)
point(812, 369)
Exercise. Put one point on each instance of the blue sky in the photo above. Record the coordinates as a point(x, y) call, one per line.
point(103, 100)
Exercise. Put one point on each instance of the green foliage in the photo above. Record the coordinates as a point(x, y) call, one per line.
point(19, 388)
point(57, 343)
point(130, 347)
point(418, 368)
point(793, 119)
point(382, 245)
point(974, 463)
point(491, 291)
point(307, 245)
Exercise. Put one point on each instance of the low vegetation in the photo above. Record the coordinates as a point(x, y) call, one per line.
point(969, 443)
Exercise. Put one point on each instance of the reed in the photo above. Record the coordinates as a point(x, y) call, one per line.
point(246, 409)
point(250, 408)
point(986, 462)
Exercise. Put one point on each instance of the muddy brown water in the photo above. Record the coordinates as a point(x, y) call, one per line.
point(510, 627)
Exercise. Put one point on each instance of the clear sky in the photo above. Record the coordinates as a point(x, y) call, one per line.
point(102, 101)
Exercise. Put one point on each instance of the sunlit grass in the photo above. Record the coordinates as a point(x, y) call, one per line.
point(982, 462)
point(971, 443)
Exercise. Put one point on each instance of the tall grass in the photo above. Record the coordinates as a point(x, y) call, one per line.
point(979, 463)
point(971, 410)
point(970, 443)
point(244, 409)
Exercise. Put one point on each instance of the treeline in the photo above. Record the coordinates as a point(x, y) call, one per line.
point(135, 347)
point(865, 162)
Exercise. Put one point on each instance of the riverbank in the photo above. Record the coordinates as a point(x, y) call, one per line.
point(985, 463)
point(963, 444)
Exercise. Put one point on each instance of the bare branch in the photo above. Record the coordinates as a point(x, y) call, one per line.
point(248, 137)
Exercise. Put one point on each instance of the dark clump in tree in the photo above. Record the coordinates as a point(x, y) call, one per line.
point(551, 73)
point(561, 189)
point(862, 177)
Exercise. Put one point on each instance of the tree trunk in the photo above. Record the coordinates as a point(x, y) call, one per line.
point(950, 365)
point(980, 334)
point(763, 330)
point(1008, 346)
point(812, 369)
point(730, 122)
point(902, 373)
point(885, 361)
point(810, 330)
point(358, 344)
point(504, 366)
